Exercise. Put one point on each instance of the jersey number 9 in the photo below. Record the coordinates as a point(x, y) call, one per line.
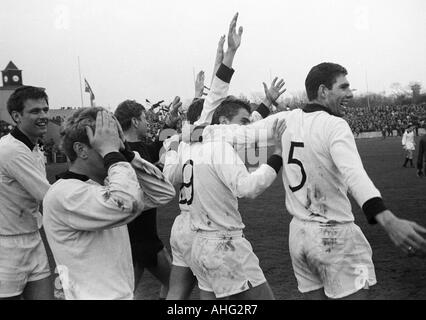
point(186, 194)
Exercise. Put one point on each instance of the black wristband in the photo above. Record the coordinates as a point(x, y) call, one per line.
point(372, 208)
point(263, 110)
point(224, 73)
point(127, 152)
point(197, 133)
point(276, 162)
point(113, 157)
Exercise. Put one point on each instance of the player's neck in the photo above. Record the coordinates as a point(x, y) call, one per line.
point(81, 167)
point(132, 136)
point(320, 102)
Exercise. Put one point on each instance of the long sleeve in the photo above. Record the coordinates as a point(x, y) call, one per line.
point(157, 190)
point(218, 92)
point(32, 180)
point(92, 207)
point(347, 160)
point(259, 131)
point(232, 171)
point(172, 168)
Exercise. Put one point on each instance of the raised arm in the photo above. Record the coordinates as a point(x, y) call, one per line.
point(222, 78)
point(271, 96)
point(94, 206)
point(199, 85)
point(172, 116)
point(157, 190)
point(219, 57)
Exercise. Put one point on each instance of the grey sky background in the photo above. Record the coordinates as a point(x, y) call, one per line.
point(150, 49)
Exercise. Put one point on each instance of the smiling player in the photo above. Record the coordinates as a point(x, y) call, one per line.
point(330, 254)
point(24, 268)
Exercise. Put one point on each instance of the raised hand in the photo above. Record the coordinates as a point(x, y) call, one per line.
point(234, 38)
point(274, 91)
point(175, 106)
point(173, 115)
point(278, 128)
point(106, 138)
point(234, 41)
point(199, 85)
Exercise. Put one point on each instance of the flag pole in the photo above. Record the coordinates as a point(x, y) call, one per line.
point(79, 76)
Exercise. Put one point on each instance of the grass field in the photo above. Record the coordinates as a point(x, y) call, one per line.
point(267, 221)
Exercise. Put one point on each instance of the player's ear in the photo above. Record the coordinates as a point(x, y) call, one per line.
point(134, 122)
point(322, 91)
point(81, 150)
point(16, 116)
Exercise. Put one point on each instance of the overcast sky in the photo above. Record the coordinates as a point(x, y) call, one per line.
point(150, 49)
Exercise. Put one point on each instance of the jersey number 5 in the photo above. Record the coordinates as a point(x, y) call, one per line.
point(292, 160)
point(187, 189)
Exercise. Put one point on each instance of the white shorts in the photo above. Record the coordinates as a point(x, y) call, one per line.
point(409, 146)
point(224, 263)
point(23, 259)
point(336, 257)
point(181, 238)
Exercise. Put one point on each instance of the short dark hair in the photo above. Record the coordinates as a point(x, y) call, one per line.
point(20, 95)
point(325, 73)
point(194, 110)
point(127, 110)
point(74, 129)
point(229, 108)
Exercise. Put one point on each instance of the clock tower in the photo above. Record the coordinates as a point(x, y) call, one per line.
point(11, 76)
point(11, 79)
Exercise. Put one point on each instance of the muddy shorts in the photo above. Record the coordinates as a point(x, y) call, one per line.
point(181, 238)
point(336, 257)
point(23, 259)
point(224, 263)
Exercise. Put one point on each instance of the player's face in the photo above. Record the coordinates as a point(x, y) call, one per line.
point(33, 119)
point(142, 125)
point(242, 117)
point(338, 97)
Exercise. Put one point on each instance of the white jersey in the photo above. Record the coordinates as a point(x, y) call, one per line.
point(85, 225)
point(408, 140)
point(213, 177)
point(320, 160)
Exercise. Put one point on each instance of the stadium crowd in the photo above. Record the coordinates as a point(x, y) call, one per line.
point(386, 119)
